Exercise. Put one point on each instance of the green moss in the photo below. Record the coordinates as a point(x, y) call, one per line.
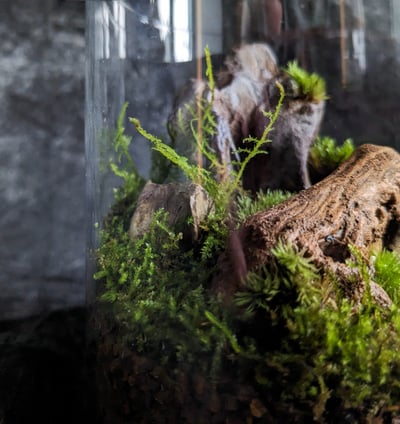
point(294, 338)
point(247, 205)
point(329, 350)
point(157, 294)
point(290, 335)
point(325, 155)
point(387, 267)
point(311, 85)
point(123, 166)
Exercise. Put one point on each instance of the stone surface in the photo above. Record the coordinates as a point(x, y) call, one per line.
point(42, 176)
point(183, 202)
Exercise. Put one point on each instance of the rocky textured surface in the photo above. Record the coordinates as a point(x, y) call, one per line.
point(44, 361)
point(42, 177)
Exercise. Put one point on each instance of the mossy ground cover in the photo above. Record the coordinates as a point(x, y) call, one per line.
point(290, 341)
point(290, 347)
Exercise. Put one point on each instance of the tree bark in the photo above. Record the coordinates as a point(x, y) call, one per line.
point(358, 204)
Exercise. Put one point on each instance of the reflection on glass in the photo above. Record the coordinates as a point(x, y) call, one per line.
point(111, 25)
point(150, 54)
point(176, 29)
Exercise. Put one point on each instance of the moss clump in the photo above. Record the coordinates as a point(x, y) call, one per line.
point(247, 205)
point(156, 291)
point(326, 155)
point(387, 266)
point(311, 86)
point(292, 338)
point(330, 356)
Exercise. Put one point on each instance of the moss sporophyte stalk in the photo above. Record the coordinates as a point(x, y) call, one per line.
point(289, 340)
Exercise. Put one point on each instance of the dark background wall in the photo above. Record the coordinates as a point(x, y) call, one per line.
point(42, 176)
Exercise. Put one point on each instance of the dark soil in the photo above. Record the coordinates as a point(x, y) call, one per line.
point(46, 370)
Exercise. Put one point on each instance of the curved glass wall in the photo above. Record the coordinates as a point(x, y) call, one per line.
point(142, 54)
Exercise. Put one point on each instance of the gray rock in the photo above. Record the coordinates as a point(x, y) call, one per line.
point(183, 202)
point(42, 174)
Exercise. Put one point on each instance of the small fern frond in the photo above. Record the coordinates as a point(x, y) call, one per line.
point(259, 143)
point(191, 171)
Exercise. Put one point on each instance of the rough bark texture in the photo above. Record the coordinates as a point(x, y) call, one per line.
point(357, 204)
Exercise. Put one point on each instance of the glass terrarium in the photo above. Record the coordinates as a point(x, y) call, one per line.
point(243, 195)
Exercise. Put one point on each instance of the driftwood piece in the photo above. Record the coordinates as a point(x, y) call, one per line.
point(285, 164)
point(358, 204)
point(247, 88)
point(182, 201)
point(240, 90)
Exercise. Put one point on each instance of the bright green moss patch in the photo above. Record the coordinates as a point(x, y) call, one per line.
point(387, 266)
point(326, 155)
point(329, 350)
point(247, 206)
point(311, 85)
